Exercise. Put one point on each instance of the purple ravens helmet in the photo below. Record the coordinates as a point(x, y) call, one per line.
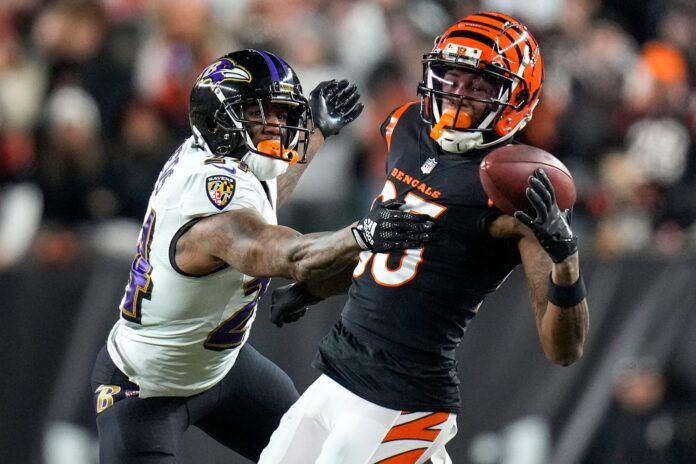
point(248, 77)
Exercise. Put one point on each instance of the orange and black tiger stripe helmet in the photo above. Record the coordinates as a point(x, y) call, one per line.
point(499, 47)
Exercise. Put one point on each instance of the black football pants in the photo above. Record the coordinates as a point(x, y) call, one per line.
point(241, 412)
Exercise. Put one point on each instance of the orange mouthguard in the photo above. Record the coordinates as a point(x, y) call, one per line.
point(272, 148)
point(447, 122)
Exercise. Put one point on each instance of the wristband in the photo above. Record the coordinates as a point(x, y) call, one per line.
point(357, 235)
point(565, 296)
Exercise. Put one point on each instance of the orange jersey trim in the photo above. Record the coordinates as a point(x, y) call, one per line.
point(393, 120)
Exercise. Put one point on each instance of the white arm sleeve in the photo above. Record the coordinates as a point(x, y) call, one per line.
point(21, 208)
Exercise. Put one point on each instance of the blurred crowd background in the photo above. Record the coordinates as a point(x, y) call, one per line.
point(94, 96)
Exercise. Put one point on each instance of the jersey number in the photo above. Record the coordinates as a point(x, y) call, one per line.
point(410, 259)
point(140, 280)
point(230, 334)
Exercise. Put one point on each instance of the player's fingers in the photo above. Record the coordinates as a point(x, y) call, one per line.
point(296, 315)
point(422, 237)
point(349, 112)
point(408, 217)
point(330, 90)
point(345, 105)
point(541, 175)
point(406, 235)
point(322, 88)
point(337, 90)
point(344, 93)
point(523, 218)
point(541, 190)
point(537, 204)
point(277, 321)
point(426, 226)
point(354, 113)
point(392, 204)
point(410, 244)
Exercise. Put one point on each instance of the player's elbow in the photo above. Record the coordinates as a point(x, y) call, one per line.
point(564, 357)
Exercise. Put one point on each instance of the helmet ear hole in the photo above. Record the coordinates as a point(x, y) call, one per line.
point(522, 97)
point(210, 124)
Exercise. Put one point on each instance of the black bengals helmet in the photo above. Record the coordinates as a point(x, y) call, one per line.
point(241, 79)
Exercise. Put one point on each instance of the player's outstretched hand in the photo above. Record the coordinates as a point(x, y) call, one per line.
point(289, 303)
point(334, 105)
point(388, 228)
point(551, 226)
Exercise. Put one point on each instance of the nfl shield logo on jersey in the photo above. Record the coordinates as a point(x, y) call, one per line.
point(220, 190)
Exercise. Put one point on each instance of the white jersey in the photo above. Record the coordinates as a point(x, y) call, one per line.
point(178, 334)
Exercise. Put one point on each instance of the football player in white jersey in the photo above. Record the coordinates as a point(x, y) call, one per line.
point(207, 249)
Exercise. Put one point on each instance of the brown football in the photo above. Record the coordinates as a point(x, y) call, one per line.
point(505, 172)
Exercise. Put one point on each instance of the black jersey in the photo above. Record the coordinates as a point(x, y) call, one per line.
point(407, 311)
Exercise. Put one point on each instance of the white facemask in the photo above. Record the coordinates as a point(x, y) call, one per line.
point(263, 167)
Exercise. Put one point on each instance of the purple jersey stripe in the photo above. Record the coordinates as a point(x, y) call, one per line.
point(271, 66)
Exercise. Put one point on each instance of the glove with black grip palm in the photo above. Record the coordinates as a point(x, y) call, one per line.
point(551, 226)
point(334, 105)
point(289, 303)
point(386, 228)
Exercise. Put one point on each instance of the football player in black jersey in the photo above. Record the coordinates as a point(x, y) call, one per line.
point(389, 389)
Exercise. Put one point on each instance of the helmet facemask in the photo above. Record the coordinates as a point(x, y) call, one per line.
point(293, 134)
point(451, 88)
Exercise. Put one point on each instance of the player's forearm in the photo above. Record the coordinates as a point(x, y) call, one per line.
point(566, 272)
point(335, 285)
point(243, 239)
point(288, 181)
point(318, 256)
point(564, 328)
point(563, 332)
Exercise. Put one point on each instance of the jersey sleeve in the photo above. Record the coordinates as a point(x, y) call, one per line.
point(389, 125)
point(385, 123)
point(212, 190)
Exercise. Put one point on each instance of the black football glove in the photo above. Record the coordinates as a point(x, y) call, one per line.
point(334, 105)
point(551, 226)
point(387, 228)
point(289, 303)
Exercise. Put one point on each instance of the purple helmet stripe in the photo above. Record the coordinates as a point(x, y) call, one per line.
point(271, 66)
point(283, 64)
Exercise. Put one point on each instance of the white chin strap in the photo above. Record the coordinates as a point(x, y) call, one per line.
point(264, 167)
point(455, 141)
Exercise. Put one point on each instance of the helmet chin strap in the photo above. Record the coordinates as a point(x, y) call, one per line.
point(198, 139)
point(263, 167)
point(455, 141)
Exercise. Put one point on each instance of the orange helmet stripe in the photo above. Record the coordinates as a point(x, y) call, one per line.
point(515, 33)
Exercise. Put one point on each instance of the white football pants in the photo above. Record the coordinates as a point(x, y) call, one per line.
point(331, 425)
